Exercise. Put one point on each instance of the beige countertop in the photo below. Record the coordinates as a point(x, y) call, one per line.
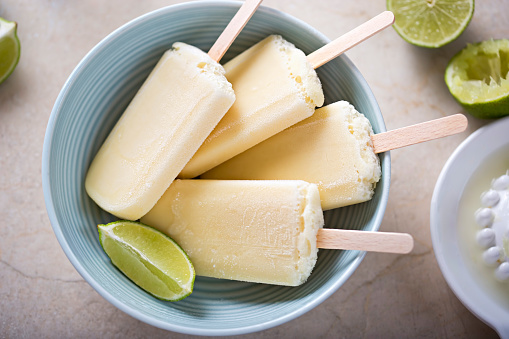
point(42, 295)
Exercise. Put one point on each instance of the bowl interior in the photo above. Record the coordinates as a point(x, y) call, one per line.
point(487, 145)
point(90, 103)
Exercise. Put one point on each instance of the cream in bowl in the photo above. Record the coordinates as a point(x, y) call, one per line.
point(493, 219)
point(483, 225)
point(469, 215)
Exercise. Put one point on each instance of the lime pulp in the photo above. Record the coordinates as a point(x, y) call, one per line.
point(152, 260)
point(478, 78)
point(9, 48)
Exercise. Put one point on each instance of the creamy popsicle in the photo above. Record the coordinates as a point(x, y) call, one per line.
point(176, 108)
point(257, 231)
point(335, 149)
point(275, 87)
point(178, 105)
point(332, 148)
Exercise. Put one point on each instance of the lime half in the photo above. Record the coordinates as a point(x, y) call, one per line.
point(9, 48)
point(431, 23)
point(149, 258)
point(478, 77)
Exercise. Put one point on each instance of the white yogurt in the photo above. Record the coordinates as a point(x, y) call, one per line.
point(493, 219)
point(483, 214)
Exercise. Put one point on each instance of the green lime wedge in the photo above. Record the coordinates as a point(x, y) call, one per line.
point(9, 48)
point(152, 260)
point(431, 23)
point(478, 78)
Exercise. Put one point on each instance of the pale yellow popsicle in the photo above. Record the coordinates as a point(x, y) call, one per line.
point(332, 148)
point(275, 87)
point(173, 112)
point(256, 231)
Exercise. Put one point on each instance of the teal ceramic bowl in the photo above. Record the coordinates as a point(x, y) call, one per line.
point(92, 100)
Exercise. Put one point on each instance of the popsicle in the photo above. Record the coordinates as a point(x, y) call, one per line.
point(176, 108)
point(255, 230)
point(276, 86)
point(335, 149)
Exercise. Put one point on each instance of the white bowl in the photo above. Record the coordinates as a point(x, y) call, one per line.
point(460, 273)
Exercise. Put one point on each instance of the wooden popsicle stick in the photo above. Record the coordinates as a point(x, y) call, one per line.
point(233, 29)
point(418, 133)
point(350, 39)
point(386, 242)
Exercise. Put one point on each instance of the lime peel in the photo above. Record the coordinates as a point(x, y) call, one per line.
point(431, 23)
point(478, 78)
point(10, 48)
point(151, 259)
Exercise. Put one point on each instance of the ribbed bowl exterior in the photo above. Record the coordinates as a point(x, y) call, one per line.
point(92, 100)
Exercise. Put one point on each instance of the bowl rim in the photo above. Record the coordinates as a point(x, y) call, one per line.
point(355, 262)
point(463, 293)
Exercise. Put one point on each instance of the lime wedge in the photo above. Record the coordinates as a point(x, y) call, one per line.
point(431, 23)
point(478, 78)
point(152, 260)
point(9, 48)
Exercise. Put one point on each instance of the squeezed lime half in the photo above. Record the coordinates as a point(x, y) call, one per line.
point(10, 49)
point(152, 260)
point(431, 23)
point(478, 78)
